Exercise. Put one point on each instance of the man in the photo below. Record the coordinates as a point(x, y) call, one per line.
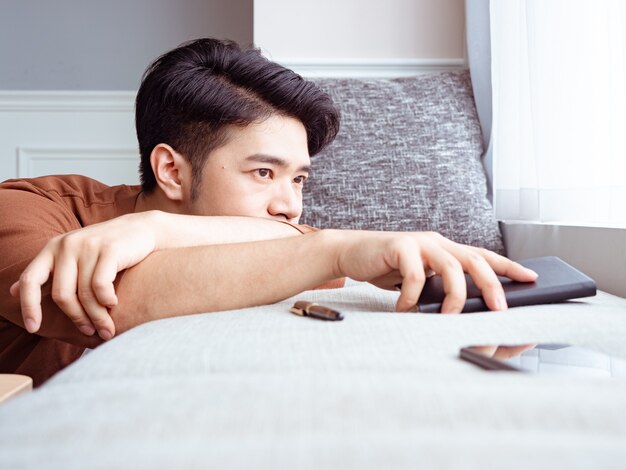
point(225, 138)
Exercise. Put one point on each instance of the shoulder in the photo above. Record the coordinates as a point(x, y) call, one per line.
point(90, 201)
point(28, 218)
point(61, 186)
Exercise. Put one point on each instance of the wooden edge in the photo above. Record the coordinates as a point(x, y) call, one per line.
point(12, 385)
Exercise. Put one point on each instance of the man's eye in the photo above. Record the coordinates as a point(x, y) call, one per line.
point(299, 179)
point(264, 172)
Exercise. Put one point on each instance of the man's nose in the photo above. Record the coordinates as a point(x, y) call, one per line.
point(285, 202)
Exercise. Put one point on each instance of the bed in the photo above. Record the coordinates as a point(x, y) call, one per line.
point(263, 388)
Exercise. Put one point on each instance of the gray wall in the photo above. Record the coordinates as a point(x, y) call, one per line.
point(104, 44)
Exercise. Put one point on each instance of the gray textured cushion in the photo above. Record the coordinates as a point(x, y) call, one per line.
point(407, 158)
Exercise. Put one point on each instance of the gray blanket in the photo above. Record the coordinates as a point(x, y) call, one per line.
point(262, 388)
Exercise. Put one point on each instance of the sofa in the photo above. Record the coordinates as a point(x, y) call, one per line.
point(263, 388)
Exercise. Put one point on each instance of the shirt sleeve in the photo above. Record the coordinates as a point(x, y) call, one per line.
point(28, 220)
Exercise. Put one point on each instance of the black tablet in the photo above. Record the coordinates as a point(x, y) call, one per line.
point(557, 281)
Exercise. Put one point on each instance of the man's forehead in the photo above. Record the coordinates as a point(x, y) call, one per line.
point(277, 140)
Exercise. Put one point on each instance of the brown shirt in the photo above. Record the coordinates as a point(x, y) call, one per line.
point(32, 211)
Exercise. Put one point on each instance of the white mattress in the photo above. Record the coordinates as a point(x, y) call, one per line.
point(262, 388)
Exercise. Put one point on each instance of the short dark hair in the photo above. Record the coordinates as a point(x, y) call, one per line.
point(191, 96)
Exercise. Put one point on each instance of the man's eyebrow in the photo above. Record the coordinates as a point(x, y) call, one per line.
point(272, 160)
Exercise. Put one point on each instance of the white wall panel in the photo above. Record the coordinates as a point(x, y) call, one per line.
point(68, 132)
point(108, 165)
point(360, 29)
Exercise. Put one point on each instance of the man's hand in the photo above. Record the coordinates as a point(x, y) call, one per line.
point(386, 259)
point(83, 264)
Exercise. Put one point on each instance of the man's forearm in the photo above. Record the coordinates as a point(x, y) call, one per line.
point(221, 277)
point(176, 230)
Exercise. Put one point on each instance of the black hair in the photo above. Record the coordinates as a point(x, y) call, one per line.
point(191, 96)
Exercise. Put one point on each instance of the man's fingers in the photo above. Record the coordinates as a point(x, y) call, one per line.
point(506, 267)
point(413, 278)
point(500, 264)
point(30, 301)
point(483, 265)
point(452, 276)
point(455, 288)
point(102, 282)
point(64, 282)
point(98, 315)
point(452, 260)
point(484, 277)
point(29, 289)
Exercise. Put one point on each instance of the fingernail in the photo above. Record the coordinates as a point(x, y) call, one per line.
point(30, 325)
point(87, 330)
point(105, 334)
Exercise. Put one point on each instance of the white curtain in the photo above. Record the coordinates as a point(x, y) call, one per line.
point(559, 110)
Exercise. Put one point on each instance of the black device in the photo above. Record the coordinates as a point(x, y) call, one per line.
point(557, 281)
point(546, 359)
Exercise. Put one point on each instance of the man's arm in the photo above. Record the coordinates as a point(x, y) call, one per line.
point(177, 281)
point(221, 277)
point(84, 263)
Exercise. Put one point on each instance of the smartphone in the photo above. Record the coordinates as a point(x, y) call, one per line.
point(546, 359)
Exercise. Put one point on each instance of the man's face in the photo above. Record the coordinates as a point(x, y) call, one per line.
point(259, 172)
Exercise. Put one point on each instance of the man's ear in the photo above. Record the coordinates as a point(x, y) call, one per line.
point(171, 170)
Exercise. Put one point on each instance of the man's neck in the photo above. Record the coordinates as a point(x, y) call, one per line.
point(156, 200)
